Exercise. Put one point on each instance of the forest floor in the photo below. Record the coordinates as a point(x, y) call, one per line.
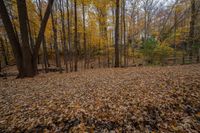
point(140, 99)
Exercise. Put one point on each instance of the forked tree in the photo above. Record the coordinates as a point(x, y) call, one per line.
point(25, 55)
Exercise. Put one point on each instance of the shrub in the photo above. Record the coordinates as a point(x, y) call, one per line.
point(155, 52)
point(161, 52)
point(148, 49)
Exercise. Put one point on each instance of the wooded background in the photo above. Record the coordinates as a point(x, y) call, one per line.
point(72, 35)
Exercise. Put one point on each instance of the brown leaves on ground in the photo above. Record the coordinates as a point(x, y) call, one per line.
point(146, 99)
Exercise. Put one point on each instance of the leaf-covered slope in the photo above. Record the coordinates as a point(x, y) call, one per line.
point(132, 100)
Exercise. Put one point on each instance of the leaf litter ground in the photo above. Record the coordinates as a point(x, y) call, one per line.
point(142, 99)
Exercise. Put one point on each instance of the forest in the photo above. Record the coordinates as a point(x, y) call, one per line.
point(100, 66)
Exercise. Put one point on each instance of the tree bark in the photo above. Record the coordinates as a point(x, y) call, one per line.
point(192, 29)
point(175, 28)
point(45, 54)
point(121, 35)
point(84, 36)
point(117, 35)
point(26, 51)
point(124, 23)
point(3, 50)
point(75, 37)
point(41, 32)
point(62, 11)
point(69, 36)
point(26, 60)
point(54, 24)
point(12, 37)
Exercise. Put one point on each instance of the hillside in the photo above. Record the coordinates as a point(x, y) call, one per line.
point(141, 99)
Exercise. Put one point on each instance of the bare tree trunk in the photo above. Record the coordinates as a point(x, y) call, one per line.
point(26, 60)
point(198, 55)
point(84, 36)
point(117, 35)
point(175, 27)
point(124, 22)
point(41, 32)
point(89, 53)
point(75, 37)
point(3, 51)
point(0, 66)
point(108, 53)
point(121, 36)
point(30, 37)
point(62, 11)
point(112, 37)
point(111, 42)
point(26, 51)
point(145, 23)
point(12, 37)
point(45, 54)
point(24, 56)
point(99, 55)
point(192, 28)
point(14, 25)
point(69, 36)
point(57, 53)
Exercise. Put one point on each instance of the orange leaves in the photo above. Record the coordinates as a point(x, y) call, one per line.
point(148, 99)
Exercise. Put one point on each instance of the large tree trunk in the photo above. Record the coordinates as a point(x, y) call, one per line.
point(26, 60)
point(12, 37)
point(26, 51)
point(3, 51)
point(117, 35)
point(30, 37)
